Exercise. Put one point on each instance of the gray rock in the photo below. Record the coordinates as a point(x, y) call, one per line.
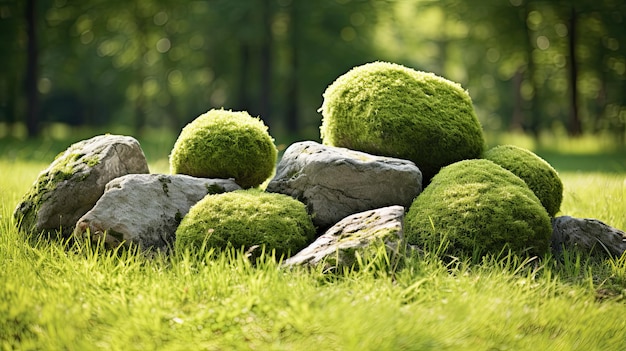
point(337, 182)
point(74, 181)
point(145, 209)
point(366, 233)
point(587, 234)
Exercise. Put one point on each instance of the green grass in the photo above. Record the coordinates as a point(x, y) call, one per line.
point(57, 296)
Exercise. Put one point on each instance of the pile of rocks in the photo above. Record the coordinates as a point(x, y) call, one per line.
point(388, 131)
point(101, 189)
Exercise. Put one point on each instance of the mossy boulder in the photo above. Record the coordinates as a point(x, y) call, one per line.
point(538, 174)
point(246, 218)
point(73, 183)
point(475, 207)
point(225, 144)
point(390, 110)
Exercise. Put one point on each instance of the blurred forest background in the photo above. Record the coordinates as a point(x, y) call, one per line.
point(539, 66)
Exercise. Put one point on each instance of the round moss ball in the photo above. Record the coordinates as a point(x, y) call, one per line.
point(538, 174)
point(245, 218)
point(225, 144)
point(391, 110)
point(475, 207)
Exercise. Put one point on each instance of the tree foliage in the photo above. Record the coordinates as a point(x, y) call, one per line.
point(528, 64)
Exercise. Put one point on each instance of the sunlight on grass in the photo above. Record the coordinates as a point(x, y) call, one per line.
point(556, 141)
point(57, 295)
point(18, 176)
point(595, 195)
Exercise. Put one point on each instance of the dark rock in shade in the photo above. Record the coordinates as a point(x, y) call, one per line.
point(145, 209)
point(74, 182)
point(337, 182)
point(363, 232)
point(587, 234)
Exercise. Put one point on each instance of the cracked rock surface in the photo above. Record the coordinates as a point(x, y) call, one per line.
point(336, 182)
point(362, 232)
point(146, 209)
point(74, 182)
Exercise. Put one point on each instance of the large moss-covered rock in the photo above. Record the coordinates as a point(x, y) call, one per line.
point(474, 207)
point(391, 110)
point(246, 218)
point(225, 144)
point(538, 174)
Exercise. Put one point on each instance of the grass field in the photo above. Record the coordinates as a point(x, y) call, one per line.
point(59, 297)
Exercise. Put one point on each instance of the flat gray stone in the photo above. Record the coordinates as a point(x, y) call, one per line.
point(587, 234)
point(364, 232)
point(145, 209)
point(336, 182)
point(74, 181)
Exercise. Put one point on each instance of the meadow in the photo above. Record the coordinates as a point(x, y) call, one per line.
point(56, 296)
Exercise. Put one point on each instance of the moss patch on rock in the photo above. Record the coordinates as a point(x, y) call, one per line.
point(475, 207)
point(225, 144)
point(391, 110)
point(66, 165)
point(246, 218)
point(538, 174)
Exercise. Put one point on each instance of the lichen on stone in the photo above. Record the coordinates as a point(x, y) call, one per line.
point(178, 217)
point(214, 188)
point(164, 181)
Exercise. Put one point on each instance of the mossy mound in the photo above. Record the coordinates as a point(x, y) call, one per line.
point(245, 218)
point(538, 174)
point(475, 207)
point(225, 144)
point(391, 110)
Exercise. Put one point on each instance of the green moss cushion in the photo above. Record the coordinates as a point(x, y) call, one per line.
point(475, 207)
point(391, 110)
point(225, 144)
point(245, 218)
point(541, 178)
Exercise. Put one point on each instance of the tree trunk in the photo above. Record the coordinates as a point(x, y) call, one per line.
point(442, 45)
point(266, 63)
point(10, 104)
point(533, 122)
point(517, 119)
point(292, 83)
point(32, 62)
point(574, 126)
point(244, 76)
point(141, 102)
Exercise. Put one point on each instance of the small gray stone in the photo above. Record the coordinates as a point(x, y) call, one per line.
point(145, 209)
point(587, 234)
point(75, 180)
point(336, 182)
point(363, 232)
